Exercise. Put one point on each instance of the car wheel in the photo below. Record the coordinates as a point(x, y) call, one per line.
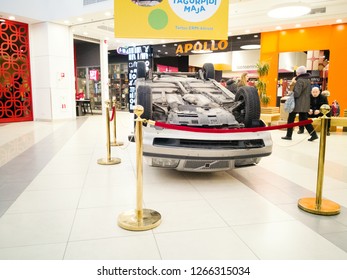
point(141, 69)
point(248, 112)
point(144, 98)
point(208, 69)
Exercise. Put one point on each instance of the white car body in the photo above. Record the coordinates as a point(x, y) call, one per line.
point(199, 102)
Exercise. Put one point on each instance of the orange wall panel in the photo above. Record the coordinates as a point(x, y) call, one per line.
point(269, 42)
point(338, 66)
point(304, 39)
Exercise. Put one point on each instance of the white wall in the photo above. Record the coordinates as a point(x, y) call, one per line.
point(239, 61)
point(52, 70)
point(288, 61)
point(198, 60)
point(105, 95)
point(243, 61)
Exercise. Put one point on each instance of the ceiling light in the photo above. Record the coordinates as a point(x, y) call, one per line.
point(289, 11)
point(339, 21)
point(250, 47)
point(11, 18)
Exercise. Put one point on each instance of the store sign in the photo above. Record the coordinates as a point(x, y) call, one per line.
point(175, 19)
point(316, 79)
point(207, 46)
point(94, 75)
point(136, 54)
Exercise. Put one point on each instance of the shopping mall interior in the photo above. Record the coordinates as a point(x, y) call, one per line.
point(57, 202)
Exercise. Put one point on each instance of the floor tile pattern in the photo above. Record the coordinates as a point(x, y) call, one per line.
point(57, 203)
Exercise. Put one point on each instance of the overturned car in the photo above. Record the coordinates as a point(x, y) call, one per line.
point(196, 100)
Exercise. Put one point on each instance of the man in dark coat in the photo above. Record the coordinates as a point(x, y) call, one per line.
point(232, 85)
point(302, 94)
point(317, 100)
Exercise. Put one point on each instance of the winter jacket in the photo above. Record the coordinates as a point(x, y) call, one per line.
point(232, 86)
point(317, 102)
point(302, 93)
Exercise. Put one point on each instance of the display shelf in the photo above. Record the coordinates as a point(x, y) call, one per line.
point(118, 75)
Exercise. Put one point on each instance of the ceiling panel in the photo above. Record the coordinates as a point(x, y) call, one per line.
point(245, 17)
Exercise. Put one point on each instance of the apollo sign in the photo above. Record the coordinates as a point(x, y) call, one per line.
point(202, 46)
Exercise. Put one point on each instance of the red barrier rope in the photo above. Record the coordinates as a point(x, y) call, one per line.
point(228, 130)
point(113, 112)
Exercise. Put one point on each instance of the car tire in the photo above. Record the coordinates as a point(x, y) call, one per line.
point(144, 98)
point(141, 69)
point(248, 112)
point(208, 70)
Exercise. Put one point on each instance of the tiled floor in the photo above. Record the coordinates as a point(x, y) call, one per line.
point(57, 203)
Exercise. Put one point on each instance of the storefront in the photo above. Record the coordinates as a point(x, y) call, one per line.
point(332, 38)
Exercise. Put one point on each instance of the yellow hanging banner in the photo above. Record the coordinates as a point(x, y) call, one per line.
point(171, 19)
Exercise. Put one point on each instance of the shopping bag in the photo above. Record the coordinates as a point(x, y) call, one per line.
point(289, 105)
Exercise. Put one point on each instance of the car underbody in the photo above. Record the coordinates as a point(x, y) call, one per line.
point(196, 100)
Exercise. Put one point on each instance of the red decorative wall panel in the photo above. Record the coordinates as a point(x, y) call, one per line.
point(15, 82)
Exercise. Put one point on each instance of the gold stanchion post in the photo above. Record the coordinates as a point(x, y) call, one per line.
point(139, 219)
point(318, 205)
point(109, 160)
point(115, 142)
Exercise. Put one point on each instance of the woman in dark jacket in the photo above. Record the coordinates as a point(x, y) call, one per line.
point(302, 93)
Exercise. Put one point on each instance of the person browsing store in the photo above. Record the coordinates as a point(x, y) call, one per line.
point(244, 80)
point(301, 86)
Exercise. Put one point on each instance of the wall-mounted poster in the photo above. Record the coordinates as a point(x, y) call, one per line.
point(171, 19)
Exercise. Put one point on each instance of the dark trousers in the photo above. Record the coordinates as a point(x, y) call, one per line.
point(317, 116)
point(302, 117)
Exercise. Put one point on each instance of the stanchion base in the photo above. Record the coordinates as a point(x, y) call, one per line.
point(117, 143)
point(327, 208)
point(111, 161)
point(129, 220)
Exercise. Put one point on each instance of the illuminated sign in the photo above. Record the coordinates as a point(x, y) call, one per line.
point(207, 46)
point(136, 54)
